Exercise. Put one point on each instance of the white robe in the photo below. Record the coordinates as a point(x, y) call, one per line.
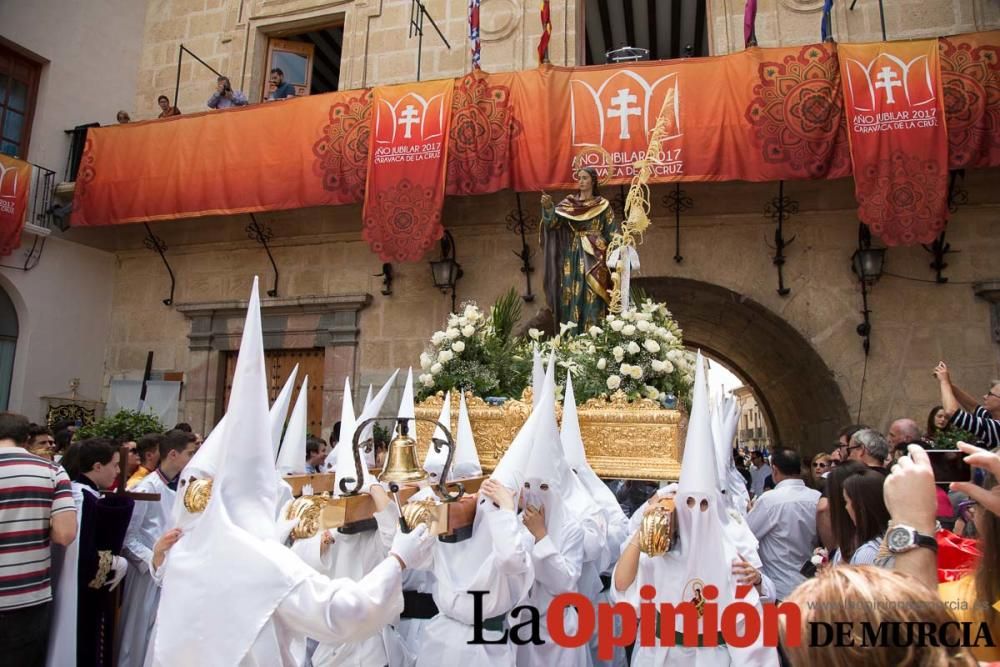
point(353, 556)
point(558, 562)
point(150, 519)
point(497, 560)
point(335, 611)
point(65, 571)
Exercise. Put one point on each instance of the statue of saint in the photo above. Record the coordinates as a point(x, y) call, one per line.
point(576, 235)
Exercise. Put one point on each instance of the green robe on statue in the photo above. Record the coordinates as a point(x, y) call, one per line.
point(577, 280)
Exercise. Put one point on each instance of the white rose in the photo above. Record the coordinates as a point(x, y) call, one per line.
point(468, 330)
point(458, 346)
point(534, 333)
point(674, 355)
point(452, 333)
point(426, 360)
point(652, 393)
point(670, 338)
point(595, 331)
point(651, 346)
point(462, 321)
point(628, 329)
point(452, 320)
point(427, 380)
point(438, 337)
point(633, 347)
point(617, 325)
point(643, 317)
point(668, 367)
point(614, 382)
point(444, 356)
point(636, 372)
point(435, 369)
point(602, 363)
point(629, 316)
point(619, 353)
point(642, 325)
point(470, 311)
point(625, 369)
point(658, 366)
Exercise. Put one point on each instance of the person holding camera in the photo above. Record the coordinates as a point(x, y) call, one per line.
point(225, 97)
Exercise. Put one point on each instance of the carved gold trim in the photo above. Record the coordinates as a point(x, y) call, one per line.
point(306, 510)
point(104, 561)
point(197, 495)
point(622, 439)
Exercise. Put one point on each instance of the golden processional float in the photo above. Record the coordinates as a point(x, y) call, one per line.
point(624, 438)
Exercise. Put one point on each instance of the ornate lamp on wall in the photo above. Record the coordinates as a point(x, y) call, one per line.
point(446, 271)
point(867, 263)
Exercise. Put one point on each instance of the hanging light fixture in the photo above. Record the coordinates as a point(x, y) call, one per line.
point(867, 264)
point(446, 271)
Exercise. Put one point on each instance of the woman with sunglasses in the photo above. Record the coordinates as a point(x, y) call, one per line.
point(822, 464)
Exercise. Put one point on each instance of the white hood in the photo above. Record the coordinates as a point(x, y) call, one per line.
point(406, 407)
point(537, 376)
point(230, 552)
point(292, 456)
point(279, 410)
point(434, 460)
point(466, 462)
point(345, 449)
point(346, 422)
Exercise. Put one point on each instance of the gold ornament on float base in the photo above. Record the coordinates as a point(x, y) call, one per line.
point(623, 439)
point(306, 511)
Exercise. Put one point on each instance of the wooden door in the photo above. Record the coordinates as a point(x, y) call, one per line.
point(295, 60)
point(279, 366)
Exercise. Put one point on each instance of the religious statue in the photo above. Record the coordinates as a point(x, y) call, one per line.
point(576, 235)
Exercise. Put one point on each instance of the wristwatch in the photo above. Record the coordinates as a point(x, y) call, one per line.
point(900, 539)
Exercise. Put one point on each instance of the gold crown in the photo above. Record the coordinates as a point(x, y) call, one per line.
point(197, 495)
point(657, 530)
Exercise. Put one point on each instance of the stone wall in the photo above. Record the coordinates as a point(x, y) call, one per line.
point(231, 36)
point(790, 22)
point(724, 241)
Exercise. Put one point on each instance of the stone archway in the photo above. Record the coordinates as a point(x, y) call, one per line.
point(795, 387)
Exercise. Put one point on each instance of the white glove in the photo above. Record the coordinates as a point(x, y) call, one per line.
point(415, 548)
point(119, 566)
point(667, 491)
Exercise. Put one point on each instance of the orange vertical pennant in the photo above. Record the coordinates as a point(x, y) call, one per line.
point(899, 143)
point(15, 182)
point(406, 169)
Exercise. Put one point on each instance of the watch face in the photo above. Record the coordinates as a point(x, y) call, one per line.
point(899, 538)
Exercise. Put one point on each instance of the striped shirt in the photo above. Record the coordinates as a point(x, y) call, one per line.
point(31, 491)
point(980, 423)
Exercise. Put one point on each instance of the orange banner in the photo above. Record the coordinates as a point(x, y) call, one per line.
point(899, 144)
point(404, 192)
point(758, 115)
point(15, 184)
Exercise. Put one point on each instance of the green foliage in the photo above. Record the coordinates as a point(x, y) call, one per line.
point(124, 425)
point(950, 437)
point(505, 315)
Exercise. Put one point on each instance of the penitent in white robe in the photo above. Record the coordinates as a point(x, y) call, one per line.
point(497, 558)
point(353, 556)
point(150, 519)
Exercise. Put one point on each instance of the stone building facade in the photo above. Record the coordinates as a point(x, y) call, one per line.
point(800, 353)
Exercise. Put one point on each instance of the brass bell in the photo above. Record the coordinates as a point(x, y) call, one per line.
point(401, 461)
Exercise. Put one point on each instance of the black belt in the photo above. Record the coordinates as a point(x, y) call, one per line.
point(496, 624)
point(418, 605)
point(605, 582)
point(679, 636)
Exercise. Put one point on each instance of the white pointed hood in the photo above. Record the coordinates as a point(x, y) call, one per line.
point(346, 421)
point(704, 553)
point(345, 448)
point(368, 399)
point(537, 376)
point(204, 464)
point(466, 462)
point(434, 461)
point(406, 407)
point(509, 470)
point(292, 456)
point(231, 551)
point(279, 410)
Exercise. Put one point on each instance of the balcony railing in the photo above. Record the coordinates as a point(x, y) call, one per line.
point(38, 217)
point(78, 140)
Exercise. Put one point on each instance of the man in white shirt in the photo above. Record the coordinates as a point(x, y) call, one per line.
point(784, 522)
point(759, 472)
point(150, 520)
